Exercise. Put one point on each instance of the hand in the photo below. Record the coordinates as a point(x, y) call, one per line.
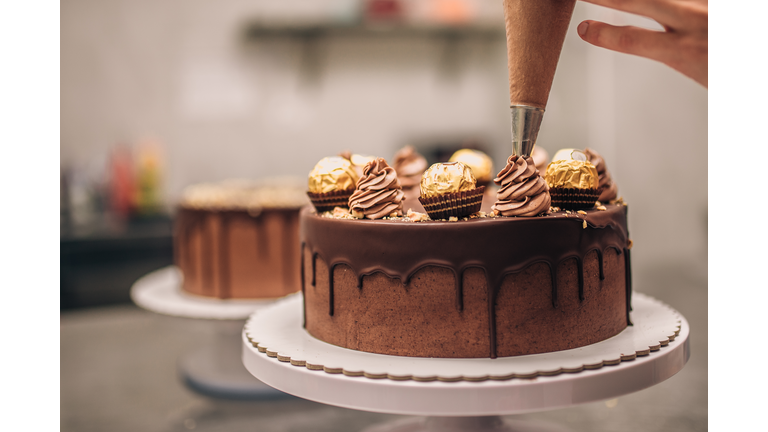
point(682, 46)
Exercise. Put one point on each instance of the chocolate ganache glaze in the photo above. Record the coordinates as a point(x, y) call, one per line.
point(523, 192)
point(378, 192)
point(498, 246)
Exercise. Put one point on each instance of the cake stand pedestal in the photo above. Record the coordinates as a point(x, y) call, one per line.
point(464, 394)
point(215, 368)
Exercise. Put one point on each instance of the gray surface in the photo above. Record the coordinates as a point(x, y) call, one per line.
point(119, 373)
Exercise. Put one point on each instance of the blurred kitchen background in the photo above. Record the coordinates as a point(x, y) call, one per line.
point(157, 95)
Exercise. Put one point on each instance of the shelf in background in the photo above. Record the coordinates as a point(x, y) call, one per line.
point(257, 30)
point(99, 262)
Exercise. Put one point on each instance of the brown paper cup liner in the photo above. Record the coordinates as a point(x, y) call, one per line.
point(324, 202)
point(457, 204)
point(574, 199)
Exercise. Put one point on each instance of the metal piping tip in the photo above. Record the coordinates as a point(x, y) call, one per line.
point(526, 121)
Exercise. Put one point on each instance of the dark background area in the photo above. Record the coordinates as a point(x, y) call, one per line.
point(99, 264)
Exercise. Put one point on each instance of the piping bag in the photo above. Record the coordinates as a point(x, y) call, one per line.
point(535, 34)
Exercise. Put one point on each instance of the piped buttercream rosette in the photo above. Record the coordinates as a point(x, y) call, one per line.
point(409, 165)
point(378, 193)
point(522, 191)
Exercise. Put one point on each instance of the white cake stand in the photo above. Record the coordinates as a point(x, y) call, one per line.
point(214, 369)
point(464, 394)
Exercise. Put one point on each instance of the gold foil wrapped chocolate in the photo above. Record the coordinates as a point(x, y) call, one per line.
point(479, 162)
point(445, 178)
point(571, 174)
point(332, 174)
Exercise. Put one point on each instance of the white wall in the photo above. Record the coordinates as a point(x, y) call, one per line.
point(179, 71)
point(650, 124)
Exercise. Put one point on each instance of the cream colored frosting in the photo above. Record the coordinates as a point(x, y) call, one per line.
point(378, 192)
point(274, 192)
point(522, 191)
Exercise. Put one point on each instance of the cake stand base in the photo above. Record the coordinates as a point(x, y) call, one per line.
point(464, 394)
point(461, 424)
point(214, 369)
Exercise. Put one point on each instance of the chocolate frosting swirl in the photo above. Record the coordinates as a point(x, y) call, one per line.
point(523, 192)
point(378, 192)
point(608, 189)
point(409, 165)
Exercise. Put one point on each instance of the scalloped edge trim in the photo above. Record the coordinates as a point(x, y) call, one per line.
point(356, 373)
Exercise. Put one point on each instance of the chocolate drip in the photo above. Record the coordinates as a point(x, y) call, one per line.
point(553, 275)
point(262, 248)
point(330, 287)
point(460, 290)
point(504, 246)
point(600, 263)
point(288, 251)
point(186, 258)
point(186, 228)
point(209, 238)
point(224, 267)
point(628, 283)
point(303, 284)
point(314, 268)
point(187, 261)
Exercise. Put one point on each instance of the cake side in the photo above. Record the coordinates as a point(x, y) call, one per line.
point(484, 287)
point(529, 323)
point(385, 317)
point(237, 254)
point(238, 238)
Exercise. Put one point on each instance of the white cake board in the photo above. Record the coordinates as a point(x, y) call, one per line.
point(277, 350)
point(160, 292)
point(214, 369)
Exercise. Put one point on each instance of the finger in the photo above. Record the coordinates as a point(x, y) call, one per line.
point(641, 42)
point(663, 11)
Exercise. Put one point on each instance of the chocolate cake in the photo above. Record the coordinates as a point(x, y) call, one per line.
point(239, 239)
point(482, 286)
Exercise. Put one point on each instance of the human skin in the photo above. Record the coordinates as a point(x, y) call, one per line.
point(682, 45)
